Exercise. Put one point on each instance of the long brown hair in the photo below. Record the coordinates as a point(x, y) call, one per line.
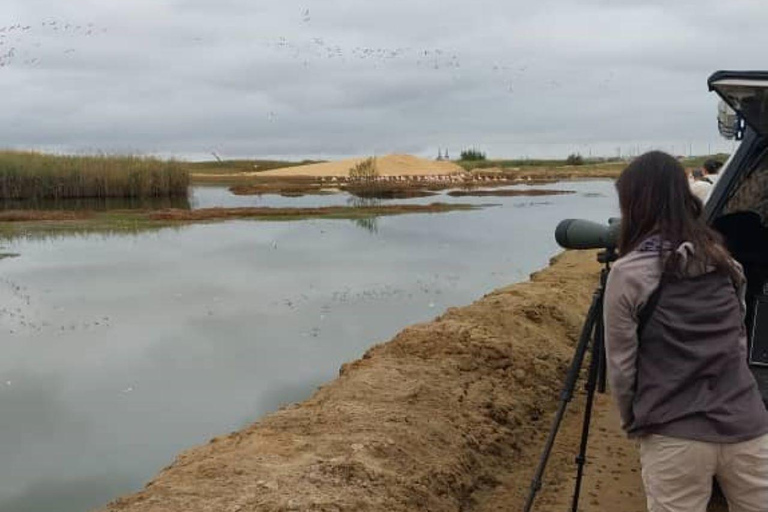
point(655, 199)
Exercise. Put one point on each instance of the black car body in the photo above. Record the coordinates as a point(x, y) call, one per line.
point(738, 205)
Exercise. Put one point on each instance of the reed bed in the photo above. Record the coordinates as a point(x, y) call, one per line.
point(37, 176)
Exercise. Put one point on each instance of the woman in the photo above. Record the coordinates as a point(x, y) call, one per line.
point(677, 358)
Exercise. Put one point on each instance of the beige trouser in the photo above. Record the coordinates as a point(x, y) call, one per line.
point(678, 473)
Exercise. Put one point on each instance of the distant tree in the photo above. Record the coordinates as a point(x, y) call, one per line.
point(574, 159)
point(364, 170)
point(472, 154)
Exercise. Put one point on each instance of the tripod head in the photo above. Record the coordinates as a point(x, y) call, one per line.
point(607, 256)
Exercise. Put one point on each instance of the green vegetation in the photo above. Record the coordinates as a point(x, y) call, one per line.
point(573, 159)
point(698, 161)
point(35, 176)
point(528, 163)
point(43, 224)
point(472, 155)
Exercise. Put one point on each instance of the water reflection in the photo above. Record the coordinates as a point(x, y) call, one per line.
point(145, 345)
point(53, 232)
point(99, 204)
point(363, 202)
point(370, 224)
point(217, 196)
point(64, 494)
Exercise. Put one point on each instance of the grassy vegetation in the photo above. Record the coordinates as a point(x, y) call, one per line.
point(528, 163)
point(698, 161)
point(36, 224)
point(36, 176)
point(572, 160)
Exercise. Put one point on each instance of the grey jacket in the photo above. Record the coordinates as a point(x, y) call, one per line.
point(687, 376)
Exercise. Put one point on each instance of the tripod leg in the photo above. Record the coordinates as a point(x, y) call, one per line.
point(593, 382)
point(602, 373)
point(566, 395)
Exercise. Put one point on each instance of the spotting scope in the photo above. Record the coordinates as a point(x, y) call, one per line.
point(585, 234)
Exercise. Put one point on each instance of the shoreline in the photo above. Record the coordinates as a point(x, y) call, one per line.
point(14, 223)
point(449, 414)
point(296, 185)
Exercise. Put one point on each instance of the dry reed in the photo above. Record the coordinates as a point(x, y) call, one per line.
point(29, 175)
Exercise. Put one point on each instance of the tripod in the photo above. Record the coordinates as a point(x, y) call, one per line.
point(592, 330)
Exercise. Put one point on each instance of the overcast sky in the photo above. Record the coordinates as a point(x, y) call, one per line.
point(329, 78)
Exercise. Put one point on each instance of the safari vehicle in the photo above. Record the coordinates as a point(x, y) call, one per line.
point(738, 205)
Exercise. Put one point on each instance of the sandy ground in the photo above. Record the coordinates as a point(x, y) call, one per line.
point(450, 415)
point(390, 165)
point(611, 483)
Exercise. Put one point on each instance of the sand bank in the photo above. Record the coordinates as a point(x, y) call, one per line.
point(390, 165)
point(449, 415)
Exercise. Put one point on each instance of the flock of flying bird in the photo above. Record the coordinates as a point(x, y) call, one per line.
point(19, 41)
point(317, 47)
point(14, 39)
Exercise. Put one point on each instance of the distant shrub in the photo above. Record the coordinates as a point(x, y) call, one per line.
point(364, 171)
point(472, 155)
point(574, 159)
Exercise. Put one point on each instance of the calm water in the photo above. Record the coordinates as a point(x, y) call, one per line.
point(110, 203)
point(219, 196)
point(119, 352)
point(208, 197)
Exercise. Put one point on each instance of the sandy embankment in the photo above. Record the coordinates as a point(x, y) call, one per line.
point(389, 165)
point(450, 415)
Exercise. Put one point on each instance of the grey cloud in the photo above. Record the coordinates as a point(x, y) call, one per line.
point(269, 79)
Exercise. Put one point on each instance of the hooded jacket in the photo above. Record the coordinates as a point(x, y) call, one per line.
point(686, 374)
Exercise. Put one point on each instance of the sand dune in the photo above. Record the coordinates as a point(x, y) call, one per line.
point(390, 165)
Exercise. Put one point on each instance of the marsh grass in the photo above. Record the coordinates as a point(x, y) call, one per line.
point(37, 176)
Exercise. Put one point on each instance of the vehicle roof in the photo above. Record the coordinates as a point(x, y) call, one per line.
point(735, 75)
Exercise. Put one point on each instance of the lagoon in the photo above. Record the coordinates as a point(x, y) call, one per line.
point(120, 351)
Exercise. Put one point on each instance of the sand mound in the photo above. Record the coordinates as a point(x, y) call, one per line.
point(390, 165)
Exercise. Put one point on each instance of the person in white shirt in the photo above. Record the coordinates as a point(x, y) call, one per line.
point(701, 187)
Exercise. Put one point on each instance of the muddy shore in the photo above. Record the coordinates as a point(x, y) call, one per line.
point(21, 223)
point(449, 415)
